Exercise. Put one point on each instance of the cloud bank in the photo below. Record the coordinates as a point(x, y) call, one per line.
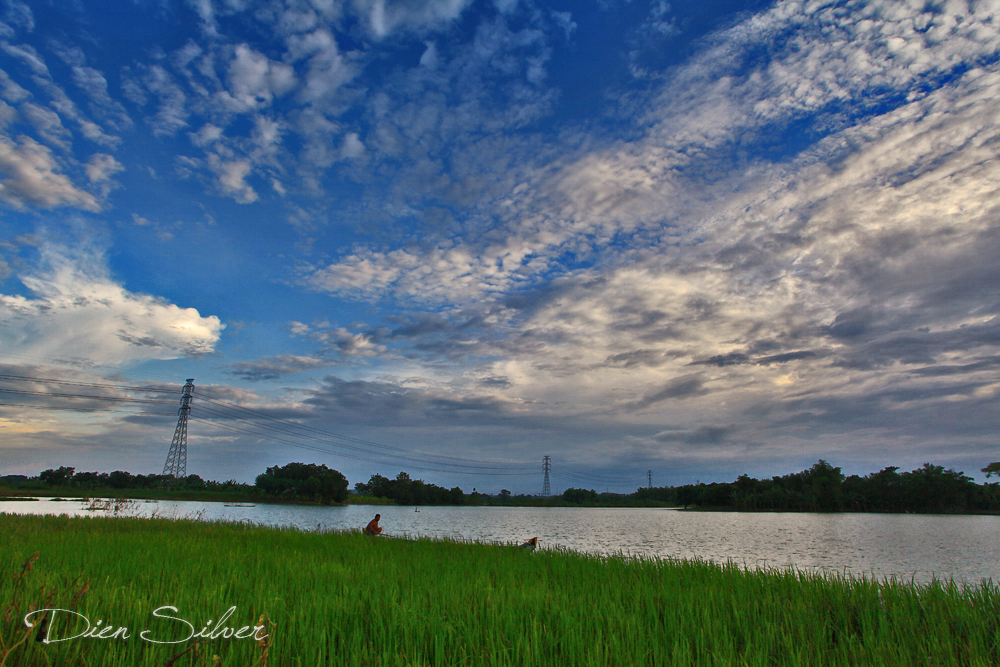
point(78, 315)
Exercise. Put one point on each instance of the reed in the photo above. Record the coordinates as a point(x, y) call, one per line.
point(348, 599)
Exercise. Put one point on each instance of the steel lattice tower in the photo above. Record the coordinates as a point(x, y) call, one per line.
point(649, 476)
point(546, 466)
point(176, 464)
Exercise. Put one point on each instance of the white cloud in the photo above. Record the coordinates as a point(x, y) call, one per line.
point(95, 86)
point(27, 55)
point(172, 114)
point(328, 68)
point(429, 58)
point(11, 91)
point(232, 175)
point(352, 147)
point(59, 100)
point(655, 185)
point(102, 167)
point(386, 16)
point(33, 178)
point(505, 6)
point(207, 135)
point(712, 288)
point(206, 12)
point(19, 14)
point(7, 114)
point(255, 80)
point(79, 314)
point(47, 124)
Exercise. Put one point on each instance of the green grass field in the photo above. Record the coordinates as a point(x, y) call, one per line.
point(346, 599)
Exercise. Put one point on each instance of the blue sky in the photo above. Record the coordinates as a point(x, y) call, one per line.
point(698, 238)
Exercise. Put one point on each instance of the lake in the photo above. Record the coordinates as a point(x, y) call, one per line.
point(904, 546)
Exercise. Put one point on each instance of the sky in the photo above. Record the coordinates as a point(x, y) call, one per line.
point(452, 237)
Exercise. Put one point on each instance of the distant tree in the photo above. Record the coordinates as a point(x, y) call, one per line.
point(504, 494)
point(992, 469)
point(120, 479)
point(405, 490)
point(304, 481)
point(90, 479)
point(686, 494)
point(824, 482)
point(58, 477)
point(931, 488)
point(714, 495)
point(578, 496)
point(194, 482)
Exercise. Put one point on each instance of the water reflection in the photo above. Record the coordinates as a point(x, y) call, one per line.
point(904, 546)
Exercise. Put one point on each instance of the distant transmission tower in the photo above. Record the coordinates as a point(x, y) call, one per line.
point(649, 477)
point(177, 457)
point(546, 466)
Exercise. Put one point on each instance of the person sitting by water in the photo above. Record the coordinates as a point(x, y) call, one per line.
point(373, 528)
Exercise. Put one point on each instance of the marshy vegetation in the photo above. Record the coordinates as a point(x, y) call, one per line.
point(348, 599)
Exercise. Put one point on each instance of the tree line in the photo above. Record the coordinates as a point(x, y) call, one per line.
point(295, 482)
point(67, 477)
point(406, 491)
point(823, 487)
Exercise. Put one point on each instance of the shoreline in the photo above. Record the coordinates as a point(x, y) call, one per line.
point(6, 494)
point(348, 599)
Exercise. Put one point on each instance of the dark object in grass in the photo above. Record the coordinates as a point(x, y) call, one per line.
point(531, 544)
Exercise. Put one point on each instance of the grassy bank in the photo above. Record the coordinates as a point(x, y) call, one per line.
point(344, 599)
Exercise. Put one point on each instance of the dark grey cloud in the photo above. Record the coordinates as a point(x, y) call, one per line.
point(740, 359)
point(276, 367)
point(703, 435)
point(919, 347)
point(387, 403)
point(720, 360)
point(786, 357)
point(954, 415)
point(648, 357)
point(682, 387)
point(941, 370)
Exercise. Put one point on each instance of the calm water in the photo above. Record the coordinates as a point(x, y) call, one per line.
point(966, 548)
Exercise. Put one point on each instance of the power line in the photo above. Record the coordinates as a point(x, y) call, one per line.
point(78, 409)
point(232, 406)
point(361, 441)
point(119, 399)
point(28, 378)
point(230, 427)
point(200, 409)
point(594, 477)
point(415, 458)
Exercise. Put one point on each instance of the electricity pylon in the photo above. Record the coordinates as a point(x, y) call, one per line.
point(546, 466)
point(176, 463)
